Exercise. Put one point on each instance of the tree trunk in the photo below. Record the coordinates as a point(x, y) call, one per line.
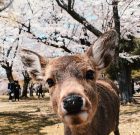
point(8, 70)
point(26, 83)
point(9, 74)
point(31, 89)
point(124, 78)
point(25, 87)
point(125, 82)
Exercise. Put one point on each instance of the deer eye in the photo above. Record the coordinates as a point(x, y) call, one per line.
point(90, 75)
point(50, 82)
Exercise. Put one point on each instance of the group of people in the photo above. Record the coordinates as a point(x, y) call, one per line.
point(14, 90)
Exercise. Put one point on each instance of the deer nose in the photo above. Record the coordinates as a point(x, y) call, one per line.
point(73, 104)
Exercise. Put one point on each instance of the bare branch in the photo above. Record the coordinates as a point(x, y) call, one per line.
point(25, 74)
point(30, 6)
point(79, 18)
point(15, 53)
point(69, 5)
point(72, 4)
point(47, 43)
point(108, 2)
point(6, 65)
point(9, 50)
point(6, 6)
point(3, 50)
point(38, 38)
point(106, 22)
point(62, 4)
point(126, 7)
point(3, 66)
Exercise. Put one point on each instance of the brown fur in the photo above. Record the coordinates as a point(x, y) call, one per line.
point(100, 114)
point(67, 75)
point(99, 100)
point(101, 93)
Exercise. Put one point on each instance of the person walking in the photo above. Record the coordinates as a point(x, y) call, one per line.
point(11, 86)
point(17, 90)
point(40, 91)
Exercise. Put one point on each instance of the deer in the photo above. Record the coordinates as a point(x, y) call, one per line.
point(85, 104)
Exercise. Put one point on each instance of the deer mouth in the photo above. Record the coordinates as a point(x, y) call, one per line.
point(76, 119)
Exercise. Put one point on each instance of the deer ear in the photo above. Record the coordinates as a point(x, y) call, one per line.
point(103, 50)
point(34, 63)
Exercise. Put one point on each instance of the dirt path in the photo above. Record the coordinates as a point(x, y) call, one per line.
point(35, 117)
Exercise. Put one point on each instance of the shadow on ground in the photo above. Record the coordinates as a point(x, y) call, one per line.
point(22, 123)
point(27, 117)
point(35, 117)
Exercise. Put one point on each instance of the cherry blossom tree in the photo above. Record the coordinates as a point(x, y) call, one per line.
point(63, 27)
point(114, 19)
point(7, 57)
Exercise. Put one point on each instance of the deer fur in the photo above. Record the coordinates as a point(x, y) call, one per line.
point(66, 75)
point(101, 115)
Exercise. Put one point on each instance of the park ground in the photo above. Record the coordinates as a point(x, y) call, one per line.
point(35, 117)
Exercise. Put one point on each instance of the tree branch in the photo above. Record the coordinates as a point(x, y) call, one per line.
point(6, 5)
point(38, 38)
point(3, 66)
point(79, 18)
point(8, 51)
point(72, 5)
point(126, 7)
point(47, 43)
point(62, 4)
point(30, 6)
point(116, 16)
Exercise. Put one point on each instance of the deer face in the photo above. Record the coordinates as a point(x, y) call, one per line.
point(72, 80)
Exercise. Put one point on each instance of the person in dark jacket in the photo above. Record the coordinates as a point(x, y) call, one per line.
point(11, 86)
point(17, 90)
point(40, 91)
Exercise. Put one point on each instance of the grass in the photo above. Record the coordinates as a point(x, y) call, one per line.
point(35, 117)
